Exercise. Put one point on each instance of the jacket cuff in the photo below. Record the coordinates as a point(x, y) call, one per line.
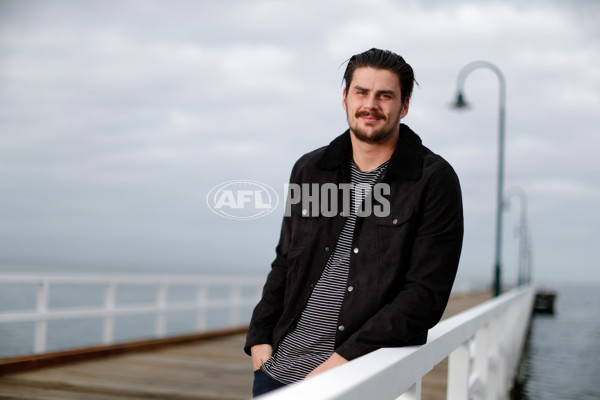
point(351, 351)
point(253, 338)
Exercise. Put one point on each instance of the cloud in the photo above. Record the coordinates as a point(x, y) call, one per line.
point(258, 68)
point(239, 148)
point(460, 23)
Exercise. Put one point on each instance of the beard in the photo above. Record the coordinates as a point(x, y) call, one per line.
point(368, 135)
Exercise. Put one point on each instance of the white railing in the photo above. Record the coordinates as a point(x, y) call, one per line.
point(483, 344)
point(110, 308)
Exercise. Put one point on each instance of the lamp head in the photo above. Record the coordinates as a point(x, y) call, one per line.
point(460, 103)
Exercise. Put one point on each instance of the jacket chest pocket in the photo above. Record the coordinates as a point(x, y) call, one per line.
point(304, 227)
point(394, 233)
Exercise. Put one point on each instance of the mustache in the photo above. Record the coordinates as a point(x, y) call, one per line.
point(369, 113)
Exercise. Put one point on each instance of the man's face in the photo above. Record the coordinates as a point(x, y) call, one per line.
point(373, 104)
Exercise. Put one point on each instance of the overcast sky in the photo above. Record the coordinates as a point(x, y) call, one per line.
point(118, 117)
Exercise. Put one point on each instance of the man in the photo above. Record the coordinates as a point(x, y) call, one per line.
point(345, 285)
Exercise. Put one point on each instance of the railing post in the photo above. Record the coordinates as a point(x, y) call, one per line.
point(490, 389)
point(414, 393)
point(41, 323)
point(481, 362)
point(202, 302)
point(161, 301)
point(506, 335)
point(109, 307)
point(493, 386)
point(458, 373)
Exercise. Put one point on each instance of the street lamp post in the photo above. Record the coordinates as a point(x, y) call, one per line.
point(461, 103)
point(524, 265)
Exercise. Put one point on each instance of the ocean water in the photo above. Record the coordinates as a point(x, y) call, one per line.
point(564, 349)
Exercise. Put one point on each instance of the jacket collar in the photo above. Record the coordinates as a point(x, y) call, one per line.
point(406, 161)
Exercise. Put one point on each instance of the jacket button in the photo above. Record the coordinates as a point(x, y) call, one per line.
point(355, 250)
point(342, 214)
point(304, 212)
point(350, 288)
point(327, 249)
point(395, 221)
point(341, 328)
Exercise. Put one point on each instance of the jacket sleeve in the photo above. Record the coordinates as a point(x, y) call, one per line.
point(267, 312)
point(421, 300)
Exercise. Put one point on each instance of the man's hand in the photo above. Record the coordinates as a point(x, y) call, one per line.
point(260, 354)
point(332, 362)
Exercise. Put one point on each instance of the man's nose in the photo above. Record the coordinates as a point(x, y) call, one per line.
point(371, 102)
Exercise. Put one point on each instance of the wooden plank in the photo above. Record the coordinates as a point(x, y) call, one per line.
point(22, 363)
point(212, 369)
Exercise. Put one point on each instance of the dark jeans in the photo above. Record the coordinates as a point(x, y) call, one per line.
point(263, 383)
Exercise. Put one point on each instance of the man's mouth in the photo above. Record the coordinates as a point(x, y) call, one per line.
point(369, 116)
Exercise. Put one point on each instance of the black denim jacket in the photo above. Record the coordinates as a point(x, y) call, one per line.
point(403, 264)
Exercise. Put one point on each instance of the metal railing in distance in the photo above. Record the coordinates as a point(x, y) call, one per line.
point(483, 344)
point(110, 309)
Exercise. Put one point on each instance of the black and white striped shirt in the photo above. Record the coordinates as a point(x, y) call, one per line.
point(310, 341)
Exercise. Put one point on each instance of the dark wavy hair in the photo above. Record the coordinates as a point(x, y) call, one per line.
point(383, 59)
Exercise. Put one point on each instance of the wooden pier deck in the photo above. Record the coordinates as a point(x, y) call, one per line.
point(213, 369)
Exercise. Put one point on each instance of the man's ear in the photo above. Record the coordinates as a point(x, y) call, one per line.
point(344, 99)
point(405, 108)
